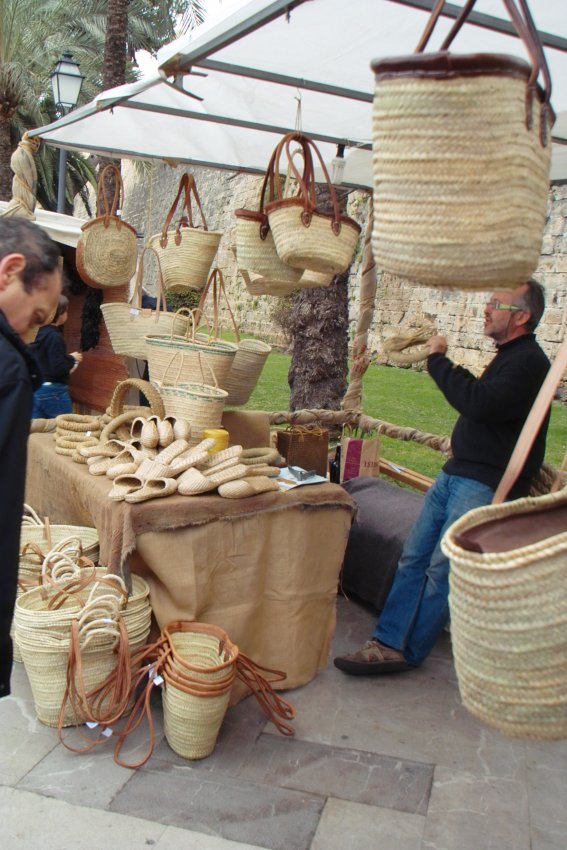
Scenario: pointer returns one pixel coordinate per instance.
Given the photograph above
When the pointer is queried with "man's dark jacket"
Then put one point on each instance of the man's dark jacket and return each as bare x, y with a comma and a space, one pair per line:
18, 379
493, 410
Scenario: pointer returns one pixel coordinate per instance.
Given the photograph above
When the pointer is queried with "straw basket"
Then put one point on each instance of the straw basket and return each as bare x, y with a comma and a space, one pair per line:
305, 237
200, 404
246, 369
129, 323
258, 285
46, 536
199, 673
509, 614
44, 635
107, 248
256, 250
461, 156
186, 253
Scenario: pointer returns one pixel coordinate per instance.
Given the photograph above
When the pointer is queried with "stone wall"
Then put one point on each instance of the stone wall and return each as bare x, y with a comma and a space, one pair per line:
458, 316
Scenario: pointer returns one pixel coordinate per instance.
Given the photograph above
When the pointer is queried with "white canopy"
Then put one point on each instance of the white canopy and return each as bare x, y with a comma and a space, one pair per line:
227, 91
63, 228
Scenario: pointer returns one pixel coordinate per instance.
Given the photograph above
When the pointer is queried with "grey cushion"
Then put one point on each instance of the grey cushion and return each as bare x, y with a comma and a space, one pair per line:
385, 515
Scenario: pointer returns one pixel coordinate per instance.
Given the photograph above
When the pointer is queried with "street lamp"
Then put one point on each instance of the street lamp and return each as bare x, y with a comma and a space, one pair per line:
66, 82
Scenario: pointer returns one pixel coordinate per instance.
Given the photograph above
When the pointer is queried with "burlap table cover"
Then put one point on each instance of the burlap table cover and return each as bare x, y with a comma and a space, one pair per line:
265, 569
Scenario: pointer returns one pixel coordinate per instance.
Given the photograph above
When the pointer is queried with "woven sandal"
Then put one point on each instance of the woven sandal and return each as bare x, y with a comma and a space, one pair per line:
123, 485
149, 435
176, 448
192, 482
165, 432
245, 487
155, 488
218, 467
122, 469
264, 454
100, 465
181, 428
187, 460
152, 468
224, 454
136, 427
109, 449
263, 469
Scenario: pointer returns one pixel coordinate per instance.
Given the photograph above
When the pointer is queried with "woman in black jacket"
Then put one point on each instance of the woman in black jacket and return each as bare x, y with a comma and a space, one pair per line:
49, 350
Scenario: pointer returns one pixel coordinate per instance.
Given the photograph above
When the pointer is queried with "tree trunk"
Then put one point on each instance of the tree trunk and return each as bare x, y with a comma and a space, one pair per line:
5, 156
318, 325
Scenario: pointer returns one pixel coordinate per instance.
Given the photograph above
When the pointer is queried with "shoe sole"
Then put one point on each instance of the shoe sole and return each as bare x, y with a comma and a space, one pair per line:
370, 668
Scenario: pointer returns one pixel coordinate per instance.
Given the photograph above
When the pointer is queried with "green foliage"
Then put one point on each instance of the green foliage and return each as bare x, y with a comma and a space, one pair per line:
403, 397
189, 299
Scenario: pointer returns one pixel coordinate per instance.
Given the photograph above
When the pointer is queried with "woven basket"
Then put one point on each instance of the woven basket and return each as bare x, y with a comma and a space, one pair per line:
43, 636
246, 369
151, 394
509, 615
107, 248
186, 253
46, 535
199, 404
305, 237
129, 324
461, 156
258, 285
198, 677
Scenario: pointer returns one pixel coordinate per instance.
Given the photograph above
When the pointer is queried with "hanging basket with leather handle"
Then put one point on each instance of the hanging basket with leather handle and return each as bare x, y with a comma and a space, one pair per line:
187, 252
305, 237
107, 248
461, 156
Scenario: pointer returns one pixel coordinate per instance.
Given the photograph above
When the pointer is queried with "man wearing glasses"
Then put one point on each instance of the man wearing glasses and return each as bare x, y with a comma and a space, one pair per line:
493, 409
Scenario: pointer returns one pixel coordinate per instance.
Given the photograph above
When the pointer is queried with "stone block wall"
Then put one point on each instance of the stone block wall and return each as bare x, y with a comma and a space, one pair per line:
458, 315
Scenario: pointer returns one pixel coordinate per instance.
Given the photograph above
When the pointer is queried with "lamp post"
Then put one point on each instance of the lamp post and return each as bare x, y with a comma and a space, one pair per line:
66, 82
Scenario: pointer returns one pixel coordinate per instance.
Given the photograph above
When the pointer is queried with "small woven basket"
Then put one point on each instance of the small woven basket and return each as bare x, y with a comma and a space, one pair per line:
200, 404
509, 617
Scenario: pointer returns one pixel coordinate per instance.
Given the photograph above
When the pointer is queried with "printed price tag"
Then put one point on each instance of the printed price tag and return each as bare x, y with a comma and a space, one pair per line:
134, 311
91, 724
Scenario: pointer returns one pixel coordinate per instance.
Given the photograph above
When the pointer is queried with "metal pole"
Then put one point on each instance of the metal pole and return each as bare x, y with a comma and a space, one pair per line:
61, 182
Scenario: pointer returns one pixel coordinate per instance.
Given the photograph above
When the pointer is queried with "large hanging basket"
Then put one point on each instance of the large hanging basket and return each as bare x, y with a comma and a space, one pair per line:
305, 237
107, 247
508, 603
187, 252
461, 156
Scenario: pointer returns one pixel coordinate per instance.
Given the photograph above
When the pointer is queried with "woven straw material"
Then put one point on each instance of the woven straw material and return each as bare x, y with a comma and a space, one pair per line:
106, 253
258, 285
128, 327
246, 487
187, 265
509, 626
46, 537
77, 422
314, 280
460, 184
179, 360
148, 390
43, 636
199, 404
314, 246
245, 370
260, 255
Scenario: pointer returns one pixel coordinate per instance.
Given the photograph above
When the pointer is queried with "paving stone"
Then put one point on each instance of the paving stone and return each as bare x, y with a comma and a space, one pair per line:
339, 772
351, 826
274, 818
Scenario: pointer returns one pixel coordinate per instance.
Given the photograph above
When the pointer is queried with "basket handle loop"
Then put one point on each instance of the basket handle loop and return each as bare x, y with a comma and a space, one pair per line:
136, 299
307, 186
108, 209
187, 189
218, 287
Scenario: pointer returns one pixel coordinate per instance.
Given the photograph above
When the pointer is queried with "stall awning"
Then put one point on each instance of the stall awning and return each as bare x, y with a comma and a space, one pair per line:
227, 91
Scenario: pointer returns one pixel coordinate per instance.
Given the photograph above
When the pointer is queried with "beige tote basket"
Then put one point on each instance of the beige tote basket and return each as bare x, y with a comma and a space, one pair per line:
461, 157
246, 369
186, 253
128, 324
305, 237
107, 247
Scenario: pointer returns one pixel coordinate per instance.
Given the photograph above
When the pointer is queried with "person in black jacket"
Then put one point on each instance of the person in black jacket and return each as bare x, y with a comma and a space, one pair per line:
55, 365
493, 409
30, 284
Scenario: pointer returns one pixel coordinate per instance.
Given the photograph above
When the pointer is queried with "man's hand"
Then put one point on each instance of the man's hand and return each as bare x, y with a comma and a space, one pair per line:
437, 345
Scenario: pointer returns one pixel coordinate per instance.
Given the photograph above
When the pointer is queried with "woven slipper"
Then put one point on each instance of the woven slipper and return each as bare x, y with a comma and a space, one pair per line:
181, 428
136, 427
192, 482
122, 469
176, 448
155, 488
109, 449
123, 485
165, 432
185, 461
263, 469
152, 468
264, 454
100, 465
224, 454
150, 436
218, 467
245, 487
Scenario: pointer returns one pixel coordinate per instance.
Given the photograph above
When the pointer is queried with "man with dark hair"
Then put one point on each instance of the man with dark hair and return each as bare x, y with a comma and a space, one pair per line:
493, 409
30, 284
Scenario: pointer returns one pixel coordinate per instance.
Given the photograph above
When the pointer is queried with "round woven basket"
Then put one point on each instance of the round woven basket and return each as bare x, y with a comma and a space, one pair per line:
43, 637
246, 369
260, 255
509, 625
199, 404
460, 183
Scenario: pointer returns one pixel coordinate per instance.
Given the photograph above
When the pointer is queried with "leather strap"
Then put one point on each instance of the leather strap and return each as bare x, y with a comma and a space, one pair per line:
532, 425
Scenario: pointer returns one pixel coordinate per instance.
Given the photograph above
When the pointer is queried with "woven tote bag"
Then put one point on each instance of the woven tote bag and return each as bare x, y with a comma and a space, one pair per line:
508, 598
107, 248
187, 252
128, 324
305, 237
461, 156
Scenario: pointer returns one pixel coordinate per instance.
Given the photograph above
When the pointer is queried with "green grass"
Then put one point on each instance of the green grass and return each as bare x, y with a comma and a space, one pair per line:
403, 397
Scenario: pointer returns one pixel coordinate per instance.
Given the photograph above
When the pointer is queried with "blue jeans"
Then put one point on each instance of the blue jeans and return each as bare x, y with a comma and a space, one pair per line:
417, 608
50, 400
